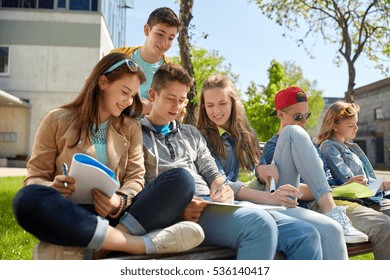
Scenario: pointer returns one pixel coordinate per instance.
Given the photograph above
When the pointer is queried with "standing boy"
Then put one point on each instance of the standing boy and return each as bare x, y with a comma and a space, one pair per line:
168, 145
160, 31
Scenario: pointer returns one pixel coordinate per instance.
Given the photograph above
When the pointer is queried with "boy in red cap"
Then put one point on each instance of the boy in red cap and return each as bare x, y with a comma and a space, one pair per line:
292, 109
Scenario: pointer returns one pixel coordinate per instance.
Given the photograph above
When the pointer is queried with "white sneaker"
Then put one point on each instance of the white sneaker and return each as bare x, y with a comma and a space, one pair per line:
179, 237
351, 234
48, 251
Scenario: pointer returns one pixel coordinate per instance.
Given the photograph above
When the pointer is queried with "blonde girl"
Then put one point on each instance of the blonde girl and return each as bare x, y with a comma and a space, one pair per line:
347, 161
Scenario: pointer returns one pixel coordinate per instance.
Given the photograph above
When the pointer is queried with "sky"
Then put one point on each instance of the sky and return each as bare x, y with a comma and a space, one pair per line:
249, 42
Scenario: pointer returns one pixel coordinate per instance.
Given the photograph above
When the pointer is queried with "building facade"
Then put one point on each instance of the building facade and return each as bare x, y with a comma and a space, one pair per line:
47, 48
374, 121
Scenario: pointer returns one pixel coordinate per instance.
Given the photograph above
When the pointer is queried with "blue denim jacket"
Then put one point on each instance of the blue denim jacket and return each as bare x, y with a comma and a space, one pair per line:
341, 159
229, 164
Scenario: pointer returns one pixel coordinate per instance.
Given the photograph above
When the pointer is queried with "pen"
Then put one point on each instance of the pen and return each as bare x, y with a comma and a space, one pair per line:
224, 182
65, 172
272, 186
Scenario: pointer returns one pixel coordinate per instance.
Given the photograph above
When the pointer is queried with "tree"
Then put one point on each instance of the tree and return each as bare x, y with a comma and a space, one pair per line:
356, 26
206, 63
185, 55
198, 62
260, 103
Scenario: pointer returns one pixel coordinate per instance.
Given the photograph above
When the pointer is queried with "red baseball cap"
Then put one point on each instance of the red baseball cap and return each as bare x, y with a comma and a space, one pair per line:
288, 97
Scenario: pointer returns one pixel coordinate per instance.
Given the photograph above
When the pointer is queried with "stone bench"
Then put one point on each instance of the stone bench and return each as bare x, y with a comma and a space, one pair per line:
218, 253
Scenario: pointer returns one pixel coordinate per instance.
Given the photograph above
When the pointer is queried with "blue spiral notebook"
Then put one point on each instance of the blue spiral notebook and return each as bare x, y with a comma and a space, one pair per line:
89, 173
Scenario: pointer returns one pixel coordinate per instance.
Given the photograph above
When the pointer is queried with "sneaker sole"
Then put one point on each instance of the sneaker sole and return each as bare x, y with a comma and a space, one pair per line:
355, 239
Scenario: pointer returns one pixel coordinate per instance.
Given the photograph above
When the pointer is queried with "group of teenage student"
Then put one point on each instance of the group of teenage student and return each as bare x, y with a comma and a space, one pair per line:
126, 116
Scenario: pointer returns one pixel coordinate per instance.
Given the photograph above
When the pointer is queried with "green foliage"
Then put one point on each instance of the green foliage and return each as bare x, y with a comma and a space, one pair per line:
206, 63
260, 103
354, 27
15, 243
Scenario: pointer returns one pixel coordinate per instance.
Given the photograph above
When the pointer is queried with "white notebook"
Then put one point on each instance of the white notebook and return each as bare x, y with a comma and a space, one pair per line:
237, 204
89, 173
374, 186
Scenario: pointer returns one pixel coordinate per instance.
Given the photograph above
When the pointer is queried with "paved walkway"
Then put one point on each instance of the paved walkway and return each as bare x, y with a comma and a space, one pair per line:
386, 174
13, 171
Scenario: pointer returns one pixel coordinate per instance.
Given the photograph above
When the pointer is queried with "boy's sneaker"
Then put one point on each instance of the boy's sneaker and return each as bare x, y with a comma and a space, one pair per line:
351, 234
179, 237
48, 251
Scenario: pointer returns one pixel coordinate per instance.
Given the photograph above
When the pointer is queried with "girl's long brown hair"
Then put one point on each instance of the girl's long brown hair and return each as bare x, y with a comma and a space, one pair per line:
247, 145
336, 113
86, 104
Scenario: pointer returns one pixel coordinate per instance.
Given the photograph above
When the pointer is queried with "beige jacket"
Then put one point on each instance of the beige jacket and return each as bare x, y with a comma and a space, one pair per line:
57, 132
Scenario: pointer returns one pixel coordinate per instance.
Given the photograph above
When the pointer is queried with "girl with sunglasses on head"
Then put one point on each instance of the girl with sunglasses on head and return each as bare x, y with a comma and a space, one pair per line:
344, 158
101, 122
347, 160
235, 147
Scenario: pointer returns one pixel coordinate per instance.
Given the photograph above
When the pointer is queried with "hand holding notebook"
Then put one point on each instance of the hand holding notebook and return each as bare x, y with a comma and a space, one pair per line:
89, 173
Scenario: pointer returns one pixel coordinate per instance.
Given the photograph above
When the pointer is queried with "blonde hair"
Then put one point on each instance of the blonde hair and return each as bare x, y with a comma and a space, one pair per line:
336, 113
247, 147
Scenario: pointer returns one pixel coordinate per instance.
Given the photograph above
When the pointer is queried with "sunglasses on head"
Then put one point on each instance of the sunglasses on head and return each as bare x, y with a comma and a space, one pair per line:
299, 117
346, 112
130, 64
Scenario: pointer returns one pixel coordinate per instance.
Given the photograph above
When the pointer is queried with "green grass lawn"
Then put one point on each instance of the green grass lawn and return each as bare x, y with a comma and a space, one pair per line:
15, 243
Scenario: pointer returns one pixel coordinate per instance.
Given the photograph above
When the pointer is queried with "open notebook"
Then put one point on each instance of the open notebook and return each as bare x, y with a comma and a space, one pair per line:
89, 173
237, 204
356, 190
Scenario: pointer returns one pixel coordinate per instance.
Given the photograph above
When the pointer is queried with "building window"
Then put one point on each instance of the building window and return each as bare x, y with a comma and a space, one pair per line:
379, 113
18, 4
83, 5
61, 4
8, 136
46, 4
80, 5
380, 149
4, 60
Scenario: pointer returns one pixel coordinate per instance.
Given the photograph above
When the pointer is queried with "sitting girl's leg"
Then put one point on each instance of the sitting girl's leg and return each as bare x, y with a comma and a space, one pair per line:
298, 240
46, 214
252, 232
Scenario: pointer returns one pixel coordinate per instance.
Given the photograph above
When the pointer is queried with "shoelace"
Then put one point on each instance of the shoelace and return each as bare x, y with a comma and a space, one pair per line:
342, 218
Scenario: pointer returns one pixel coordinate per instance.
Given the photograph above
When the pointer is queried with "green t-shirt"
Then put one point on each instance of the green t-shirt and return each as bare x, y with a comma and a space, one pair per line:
149, 69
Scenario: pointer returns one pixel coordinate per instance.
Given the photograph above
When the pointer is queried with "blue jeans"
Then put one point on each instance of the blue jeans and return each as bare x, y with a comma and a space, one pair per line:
296, 156
49, 216
258, 234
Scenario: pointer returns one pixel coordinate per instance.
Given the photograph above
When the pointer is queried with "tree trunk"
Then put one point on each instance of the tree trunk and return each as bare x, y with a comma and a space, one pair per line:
351, 82
185, 56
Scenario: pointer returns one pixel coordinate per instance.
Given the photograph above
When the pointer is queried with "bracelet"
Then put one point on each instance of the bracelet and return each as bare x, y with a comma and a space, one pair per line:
121, 207
257, 175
